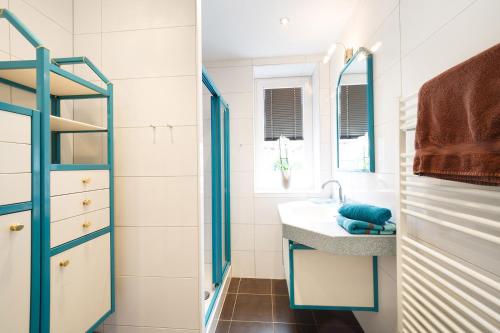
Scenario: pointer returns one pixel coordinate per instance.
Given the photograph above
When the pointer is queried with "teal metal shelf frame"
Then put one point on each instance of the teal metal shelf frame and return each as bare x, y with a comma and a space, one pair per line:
34, 207
46, 158
221, 188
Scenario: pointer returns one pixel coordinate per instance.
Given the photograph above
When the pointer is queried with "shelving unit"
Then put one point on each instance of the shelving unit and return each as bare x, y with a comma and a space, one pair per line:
72, 208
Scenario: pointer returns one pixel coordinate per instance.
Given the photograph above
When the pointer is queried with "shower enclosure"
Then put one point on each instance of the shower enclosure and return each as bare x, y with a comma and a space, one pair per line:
217, 191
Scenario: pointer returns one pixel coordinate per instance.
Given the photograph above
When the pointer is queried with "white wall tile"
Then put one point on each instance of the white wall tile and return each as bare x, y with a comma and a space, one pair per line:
242, 210
156, 201
149, 53
156, 302
138, 104
157, 251
4, 34
52, 35
266, 209
435, 14
241, 183
240, 104
121, 15
233, 79
242, 237
242, 157
268, 238
59, 11
87, 15
241, 131
388, 53
385, 150
243, 263
269, 265
159, 151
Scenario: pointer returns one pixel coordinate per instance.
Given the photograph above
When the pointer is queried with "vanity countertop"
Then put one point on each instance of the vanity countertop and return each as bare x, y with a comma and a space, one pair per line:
315, 225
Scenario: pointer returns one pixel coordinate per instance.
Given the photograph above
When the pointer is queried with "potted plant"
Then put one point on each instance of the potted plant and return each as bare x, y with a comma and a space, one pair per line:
283, 163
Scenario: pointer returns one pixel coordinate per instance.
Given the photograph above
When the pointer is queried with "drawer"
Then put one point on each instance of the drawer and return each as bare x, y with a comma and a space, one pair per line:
80, 291
15, 261
15, 188
66, 230
69, 205
15, 158
15, 128
65, 182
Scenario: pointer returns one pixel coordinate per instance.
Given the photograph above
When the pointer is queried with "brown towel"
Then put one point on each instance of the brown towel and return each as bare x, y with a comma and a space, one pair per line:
458, 126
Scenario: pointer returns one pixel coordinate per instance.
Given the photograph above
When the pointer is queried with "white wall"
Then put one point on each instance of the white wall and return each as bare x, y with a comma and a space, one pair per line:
148, 49
419, 40
256, 244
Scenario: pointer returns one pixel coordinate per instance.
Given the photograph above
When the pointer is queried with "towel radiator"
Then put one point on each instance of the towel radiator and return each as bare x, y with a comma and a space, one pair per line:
448, 247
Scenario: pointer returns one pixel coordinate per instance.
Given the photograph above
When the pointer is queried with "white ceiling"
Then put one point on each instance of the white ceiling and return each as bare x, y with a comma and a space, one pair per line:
235, 29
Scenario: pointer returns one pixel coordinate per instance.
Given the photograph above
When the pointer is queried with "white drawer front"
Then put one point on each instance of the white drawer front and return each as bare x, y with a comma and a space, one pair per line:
15, 158
69, 205
80, 293
15, 127
65, 182
15, 188
15, 261
66, 230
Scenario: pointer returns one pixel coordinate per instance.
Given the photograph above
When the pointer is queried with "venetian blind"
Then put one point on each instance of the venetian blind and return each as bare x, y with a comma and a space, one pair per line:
353, 111
283, 113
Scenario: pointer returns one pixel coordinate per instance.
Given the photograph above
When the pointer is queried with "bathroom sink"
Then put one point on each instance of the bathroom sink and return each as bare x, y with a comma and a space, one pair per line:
309, 211
314, 223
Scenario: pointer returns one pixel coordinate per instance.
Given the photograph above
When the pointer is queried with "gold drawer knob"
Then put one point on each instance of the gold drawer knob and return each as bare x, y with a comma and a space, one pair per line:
86, 181
87, 224
64, 263
16, 227
86, 202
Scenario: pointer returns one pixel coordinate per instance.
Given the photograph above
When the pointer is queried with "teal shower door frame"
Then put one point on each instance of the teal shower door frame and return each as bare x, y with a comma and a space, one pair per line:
221, 213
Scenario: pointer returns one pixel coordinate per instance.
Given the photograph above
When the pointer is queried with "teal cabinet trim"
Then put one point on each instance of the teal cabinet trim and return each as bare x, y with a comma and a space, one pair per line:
15, 208
100, 321
292, 246
58, 70
78, 241
227, 185
81, 60
17, 85
68, 167
218, 288
18, 64
56, 136
216, 192
111, 168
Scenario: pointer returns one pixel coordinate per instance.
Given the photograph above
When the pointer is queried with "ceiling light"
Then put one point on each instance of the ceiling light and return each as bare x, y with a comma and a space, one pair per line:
326, 59
284, 21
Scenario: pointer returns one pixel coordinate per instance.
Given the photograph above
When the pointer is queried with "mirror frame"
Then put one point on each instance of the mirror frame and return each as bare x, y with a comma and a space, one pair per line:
369, 99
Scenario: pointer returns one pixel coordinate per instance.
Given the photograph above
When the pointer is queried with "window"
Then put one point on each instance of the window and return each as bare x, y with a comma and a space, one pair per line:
284, 109
353, 116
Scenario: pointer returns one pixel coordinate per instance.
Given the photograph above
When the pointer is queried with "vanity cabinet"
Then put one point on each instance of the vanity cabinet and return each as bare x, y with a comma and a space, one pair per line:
321, 280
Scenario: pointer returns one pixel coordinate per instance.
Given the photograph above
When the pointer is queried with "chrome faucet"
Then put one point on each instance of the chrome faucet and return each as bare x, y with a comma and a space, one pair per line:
341, 196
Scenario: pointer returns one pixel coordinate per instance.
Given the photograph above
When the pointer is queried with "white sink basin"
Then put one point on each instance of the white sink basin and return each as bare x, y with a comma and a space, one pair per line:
308, 212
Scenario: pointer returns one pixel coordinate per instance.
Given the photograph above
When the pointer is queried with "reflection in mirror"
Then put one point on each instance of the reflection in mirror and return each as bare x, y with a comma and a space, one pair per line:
355, 140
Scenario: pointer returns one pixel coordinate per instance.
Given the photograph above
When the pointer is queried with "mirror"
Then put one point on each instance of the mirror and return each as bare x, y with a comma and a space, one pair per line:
355, 134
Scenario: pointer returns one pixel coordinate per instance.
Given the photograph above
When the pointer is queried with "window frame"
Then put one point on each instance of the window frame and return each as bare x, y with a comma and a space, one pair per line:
310, 118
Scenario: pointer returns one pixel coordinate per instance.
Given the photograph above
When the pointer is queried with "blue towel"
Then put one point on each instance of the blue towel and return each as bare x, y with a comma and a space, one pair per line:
366, 213
365, 228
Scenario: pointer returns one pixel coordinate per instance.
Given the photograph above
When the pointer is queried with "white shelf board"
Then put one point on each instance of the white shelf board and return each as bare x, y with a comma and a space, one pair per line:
59, 85
58, 124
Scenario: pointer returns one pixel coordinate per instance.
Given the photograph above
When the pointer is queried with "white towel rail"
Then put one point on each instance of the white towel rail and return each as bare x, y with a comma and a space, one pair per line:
440, 290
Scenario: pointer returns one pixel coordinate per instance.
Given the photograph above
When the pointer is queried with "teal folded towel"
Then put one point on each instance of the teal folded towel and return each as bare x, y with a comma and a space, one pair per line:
365, 228
367, 213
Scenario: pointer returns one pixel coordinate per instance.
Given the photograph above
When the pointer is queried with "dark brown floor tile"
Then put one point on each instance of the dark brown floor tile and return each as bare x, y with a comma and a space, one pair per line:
253, 308
279, 287
294, 328
284, 314
233, 286
249, 327
328, 318
227, 308
255, 286
340, 329
222, 327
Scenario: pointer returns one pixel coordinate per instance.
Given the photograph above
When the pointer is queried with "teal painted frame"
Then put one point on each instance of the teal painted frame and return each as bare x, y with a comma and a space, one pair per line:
292, 246
34, 207
370, 103
219, 129
42, 165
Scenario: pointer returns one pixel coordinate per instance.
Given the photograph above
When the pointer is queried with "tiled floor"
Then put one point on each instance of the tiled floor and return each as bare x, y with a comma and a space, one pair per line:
262, 306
